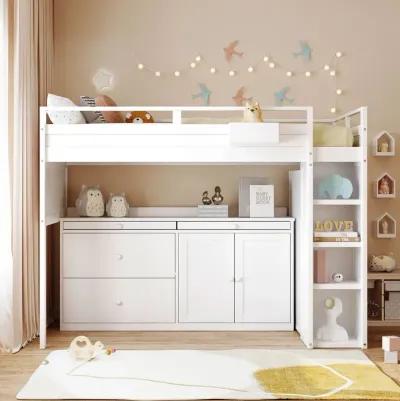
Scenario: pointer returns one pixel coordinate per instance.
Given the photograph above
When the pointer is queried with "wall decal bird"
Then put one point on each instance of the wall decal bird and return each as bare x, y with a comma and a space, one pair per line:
239, 98
304, 52
231, 51
204, 94
281, 96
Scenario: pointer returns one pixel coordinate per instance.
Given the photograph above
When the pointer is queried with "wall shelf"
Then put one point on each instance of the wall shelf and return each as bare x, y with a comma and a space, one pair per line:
385, 186
386, 226
384, 144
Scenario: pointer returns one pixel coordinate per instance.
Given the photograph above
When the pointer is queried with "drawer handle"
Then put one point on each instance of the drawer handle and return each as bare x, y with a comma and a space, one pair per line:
120, 226
120, 256
119, 303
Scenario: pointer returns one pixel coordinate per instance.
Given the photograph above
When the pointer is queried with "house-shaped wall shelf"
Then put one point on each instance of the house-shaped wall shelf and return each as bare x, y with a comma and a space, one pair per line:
384, 144
386, 226
385, 186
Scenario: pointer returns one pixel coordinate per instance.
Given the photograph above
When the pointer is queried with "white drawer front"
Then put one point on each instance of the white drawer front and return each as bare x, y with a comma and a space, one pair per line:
234, 225
118, 301
118, 225
118, 255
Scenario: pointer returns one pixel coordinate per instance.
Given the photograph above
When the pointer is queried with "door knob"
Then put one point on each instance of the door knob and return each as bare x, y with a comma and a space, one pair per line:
120, 256
119, 303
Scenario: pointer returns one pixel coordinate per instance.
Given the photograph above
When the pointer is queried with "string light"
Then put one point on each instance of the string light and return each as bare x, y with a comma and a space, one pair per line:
140, 66
157, 74
339, 54
333, 110
332, 73
266, 58
193, 65
307, 74
339, 91
213, 70
232, 73
250, 69
198, 58
289, 74
326, 67
271, 64
177, 74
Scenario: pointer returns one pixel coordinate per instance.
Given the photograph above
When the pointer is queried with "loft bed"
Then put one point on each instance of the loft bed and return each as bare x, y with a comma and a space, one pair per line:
187, 137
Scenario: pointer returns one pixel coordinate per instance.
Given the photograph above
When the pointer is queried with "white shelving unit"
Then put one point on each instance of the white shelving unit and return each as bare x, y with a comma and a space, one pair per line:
349, 258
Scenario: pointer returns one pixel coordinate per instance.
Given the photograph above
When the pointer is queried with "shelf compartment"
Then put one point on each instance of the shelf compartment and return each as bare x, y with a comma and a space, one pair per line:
344, 285
337, 154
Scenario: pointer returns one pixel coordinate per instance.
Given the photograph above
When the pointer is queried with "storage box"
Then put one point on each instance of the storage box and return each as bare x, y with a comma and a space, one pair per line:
392, 300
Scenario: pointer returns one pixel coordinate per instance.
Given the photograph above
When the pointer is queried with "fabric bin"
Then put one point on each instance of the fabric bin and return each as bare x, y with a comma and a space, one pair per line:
392, 300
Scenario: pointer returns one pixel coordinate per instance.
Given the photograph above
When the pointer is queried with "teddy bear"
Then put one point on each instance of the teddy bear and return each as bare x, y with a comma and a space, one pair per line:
139, 117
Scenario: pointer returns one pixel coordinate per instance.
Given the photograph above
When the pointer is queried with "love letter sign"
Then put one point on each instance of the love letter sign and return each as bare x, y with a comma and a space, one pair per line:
334, 225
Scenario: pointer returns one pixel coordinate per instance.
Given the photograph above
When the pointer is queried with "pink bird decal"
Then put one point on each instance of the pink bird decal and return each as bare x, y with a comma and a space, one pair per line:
231, 51
239, 99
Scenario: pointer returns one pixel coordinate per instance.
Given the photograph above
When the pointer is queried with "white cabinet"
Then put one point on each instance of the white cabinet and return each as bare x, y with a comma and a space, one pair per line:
263, 278
206, 276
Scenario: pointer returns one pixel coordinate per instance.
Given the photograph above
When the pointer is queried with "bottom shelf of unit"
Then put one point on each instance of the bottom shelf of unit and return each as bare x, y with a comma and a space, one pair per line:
351, 343
386, 323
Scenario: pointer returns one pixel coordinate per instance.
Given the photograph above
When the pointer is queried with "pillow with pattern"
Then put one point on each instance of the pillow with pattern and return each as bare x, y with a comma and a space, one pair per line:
63, 117
92, 117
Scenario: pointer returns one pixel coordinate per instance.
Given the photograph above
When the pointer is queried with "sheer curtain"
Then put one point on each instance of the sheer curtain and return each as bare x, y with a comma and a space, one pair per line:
28, 41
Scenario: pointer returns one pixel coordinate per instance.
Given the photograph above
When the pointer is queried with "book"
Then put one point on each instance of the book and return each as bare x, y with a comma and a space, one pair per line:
336, 239
345, 234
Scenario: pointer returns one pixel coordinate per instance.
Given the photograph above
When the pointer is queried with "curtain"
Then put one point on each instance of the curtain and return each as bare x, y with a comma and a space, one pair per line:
29, 41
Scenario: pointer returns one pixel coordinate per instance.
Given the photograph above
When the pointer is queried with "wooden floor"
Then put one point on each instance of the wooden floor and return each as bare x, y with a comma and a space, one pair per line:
16, 369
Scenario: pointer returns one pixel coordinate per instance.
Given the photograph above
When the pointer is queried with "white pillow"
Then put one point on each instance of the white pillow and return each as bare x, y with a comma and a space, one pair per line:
63, 117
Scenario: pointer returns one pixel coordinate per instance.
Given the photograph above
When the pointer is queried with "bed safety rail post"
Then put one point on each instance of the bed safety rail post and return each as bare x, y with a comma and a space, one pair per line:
177, 116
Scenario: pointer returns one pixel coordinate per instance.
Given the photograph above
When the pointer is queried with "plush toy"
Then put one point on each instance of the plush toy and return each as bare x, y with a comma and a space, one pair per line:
382, 263
384, 187
139, 117
252, 112
335, 186
117, 206
333, 135
109, 116
82, 349
90, 202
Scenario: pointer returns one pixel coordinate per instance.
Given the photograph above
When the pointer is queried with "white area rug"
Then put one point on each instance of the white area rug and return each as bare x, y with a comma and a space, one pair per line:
186, 374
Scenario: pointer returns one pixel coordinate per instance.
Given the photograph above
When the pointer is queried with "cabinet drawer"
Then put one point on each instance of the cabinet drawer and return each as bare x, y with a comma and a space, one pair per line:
234, 225
118, 225
118, 301
96, 255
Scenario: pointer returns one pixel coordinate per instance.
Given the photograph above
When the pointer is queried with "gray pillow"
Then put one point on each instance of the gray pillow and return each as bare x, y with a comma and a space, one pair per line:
91, 117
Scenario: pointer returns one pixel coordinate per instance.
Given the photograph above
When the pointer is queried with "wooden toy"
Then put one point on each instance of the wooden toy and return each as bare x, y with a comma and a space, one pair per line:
391, 348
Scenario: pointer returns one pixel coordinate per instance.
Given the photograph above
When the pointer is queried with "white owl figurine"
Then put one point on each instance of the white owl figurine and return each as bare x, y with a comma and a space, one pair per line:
90, 202
117, 206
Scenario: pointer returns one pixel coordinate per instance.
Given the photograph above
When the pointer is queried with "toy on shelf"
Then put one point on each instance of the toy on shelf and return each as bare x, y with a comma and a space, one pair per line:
335, 186
252, 112
386, 226
331, 330
337, 277
139, 117
391, 348
217, 198
205, 199
90, 202
117, 205
382, 263
385, 186
384, 144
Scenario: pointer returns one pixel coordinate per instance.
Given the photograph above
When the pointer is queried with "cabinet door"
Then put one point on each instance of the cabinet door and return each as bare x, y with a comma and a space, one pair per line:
206, 278
263, 278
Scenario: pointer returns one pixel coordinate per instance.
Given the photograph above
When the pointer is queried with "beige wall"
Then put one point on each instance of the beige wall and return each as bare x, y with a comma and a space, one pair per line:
116, 35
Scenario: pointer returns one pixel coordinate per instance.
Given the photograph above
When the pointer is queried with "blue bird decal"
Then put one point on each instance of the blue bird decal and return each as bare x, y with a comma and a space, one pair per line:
305, 51
281, 96
203, 94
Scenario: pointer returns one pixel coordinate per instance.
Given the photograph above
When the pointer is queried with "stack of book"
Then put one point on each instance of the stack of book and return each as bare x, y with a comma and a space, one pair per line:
336, 236
215, 211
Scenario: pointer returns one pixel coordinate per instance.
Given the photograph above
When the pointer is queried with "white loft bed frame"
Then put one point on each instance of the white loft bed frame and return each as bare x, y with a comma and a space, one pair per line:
186, 143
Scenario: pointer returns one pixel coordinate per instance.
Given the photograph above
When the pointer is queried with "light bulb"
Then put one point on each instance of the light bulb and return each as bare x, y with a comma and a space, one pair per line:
339, 54
339, 91
177, 73
157, 74
326, 67
232, 73
333, 110
332, 73
213, 70
198, 58
140, 66
266, 58
307, 74
271, 64
193, 65
289, 74
250, 69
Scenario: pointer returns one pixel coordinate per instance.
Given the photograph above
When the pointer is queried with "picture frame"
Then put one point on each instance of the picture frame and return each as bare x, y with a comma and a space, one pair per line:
261, 201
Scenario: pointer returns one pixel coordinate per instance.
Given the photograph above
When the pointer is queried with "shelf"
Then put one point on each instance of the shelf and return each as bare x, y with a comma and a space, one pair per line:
386, 323
337, 154
395, 275
351, 343
337, 202
345, 285
337, 244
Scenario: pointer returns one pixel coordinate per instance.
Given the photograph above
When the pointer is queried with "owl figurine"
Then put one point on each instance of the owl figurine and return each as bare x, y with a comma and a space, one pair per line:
117, 206
90, 202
